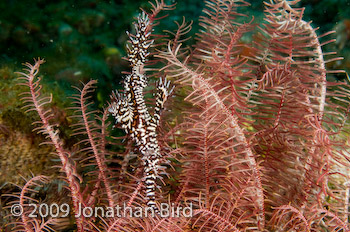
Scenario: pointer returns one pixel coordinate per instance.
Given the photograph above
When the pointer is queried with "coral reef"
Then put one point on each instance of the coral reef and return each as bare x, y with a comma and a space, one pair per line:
20, 156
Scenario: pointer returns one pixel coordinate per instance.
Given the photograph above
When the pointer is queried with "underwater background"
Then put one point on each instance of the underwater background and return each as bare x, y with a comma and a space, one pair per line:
83, 40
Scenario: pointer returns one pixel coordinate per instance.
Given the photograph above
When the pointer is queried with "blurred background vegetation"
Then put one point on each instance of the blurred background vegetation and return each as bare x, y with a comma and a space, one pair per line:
86, 39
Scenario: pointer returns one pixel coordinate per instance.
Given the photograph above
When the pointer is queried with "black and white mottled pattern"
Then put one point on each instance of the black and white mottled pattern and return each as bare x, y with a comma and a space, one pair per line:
130, 110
